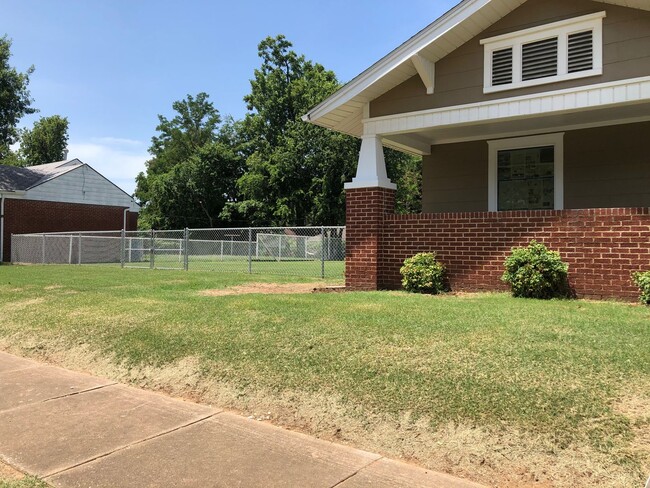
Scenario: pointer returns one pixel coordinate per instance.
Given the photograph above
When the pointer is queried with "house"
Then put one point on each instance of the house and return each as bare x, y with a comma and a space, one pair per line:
59, 197
532, 118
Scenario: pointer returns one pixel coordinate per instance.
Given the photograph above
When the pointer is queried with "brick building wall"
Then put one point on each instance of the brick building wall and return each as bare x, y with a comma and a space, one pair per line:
602, 246
32, 216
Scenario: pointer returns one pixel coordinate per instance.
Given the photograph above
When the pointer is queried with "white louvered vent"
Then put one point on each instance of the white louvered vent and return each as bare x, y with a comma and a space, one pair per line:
581, 51
550, 53
502, 67
539, 59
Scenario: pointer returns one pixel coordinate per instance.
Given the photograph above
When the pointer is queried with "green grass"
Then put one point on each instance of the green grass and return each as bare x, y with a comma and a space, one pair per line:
27, 482
551, 369
232, 264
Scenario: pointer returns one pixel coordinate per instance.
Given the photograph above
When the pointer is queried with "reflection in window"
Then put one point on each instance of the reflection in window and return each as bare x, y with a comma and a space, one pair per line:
526, 178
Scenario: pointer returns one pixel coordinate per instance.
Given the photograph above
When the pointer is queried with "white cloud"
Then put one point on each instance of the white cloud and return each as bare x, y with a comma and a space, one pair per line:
119, 160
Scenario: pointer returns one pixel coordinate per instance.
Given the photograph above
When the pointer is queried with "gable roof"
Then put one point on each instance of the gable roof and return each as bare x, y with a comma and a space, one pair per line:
13, 178
344, 110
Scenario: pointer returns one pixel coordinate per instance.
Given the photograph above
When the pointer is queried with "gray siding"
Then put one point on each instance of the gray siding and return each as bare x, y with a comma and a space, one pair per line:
459, 76
606, 167
81, 185
455, 178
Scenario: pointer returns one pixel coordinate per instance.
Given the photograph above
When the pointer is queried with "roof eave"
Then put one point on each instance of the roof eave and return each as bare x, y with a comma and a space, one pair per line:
397, 57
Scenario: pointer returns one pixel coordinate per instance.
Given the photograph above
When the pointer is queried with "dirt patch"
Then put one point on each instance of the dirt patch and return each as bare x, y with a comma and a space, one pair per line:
7, 473
264, 289
501, 458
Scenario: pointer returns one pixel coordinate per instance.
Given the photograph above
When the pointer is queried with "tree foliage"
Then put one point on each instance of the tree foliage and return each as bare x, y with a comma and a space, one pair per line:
46, 142
295, 172
271, 168
193, 169
15, 99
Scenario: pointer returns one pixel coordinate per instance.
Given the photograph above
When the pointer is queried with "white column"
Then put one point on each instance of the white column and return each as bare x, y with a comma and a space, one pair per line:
371, 171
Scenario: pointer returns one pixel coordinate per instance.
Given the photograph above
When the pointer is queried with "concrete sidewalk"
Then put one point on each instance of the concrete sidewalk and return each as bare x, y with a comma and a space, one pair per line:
75, 430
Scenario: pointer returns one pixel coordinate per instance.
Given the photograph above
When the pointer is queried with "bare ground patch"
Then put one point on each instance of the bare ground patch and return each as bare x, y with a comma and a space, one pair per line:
264, 289
504, 458
7, 473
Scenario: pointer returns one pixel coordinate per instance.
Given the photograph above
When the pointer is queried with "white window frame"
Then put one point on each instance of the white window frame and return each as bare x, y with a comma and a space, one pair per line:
561, 30
556, 140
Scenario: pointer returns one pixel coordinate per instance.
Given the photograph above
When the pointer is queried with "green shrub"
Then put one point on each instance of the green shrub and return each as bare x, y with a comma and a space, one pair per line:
423, 274
642, 280
536, 272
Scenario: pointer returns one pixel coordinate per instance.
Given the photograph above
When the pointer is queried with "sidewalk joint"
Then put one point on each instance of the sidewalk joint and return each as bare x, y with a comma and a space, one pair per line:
357, 472
136, 443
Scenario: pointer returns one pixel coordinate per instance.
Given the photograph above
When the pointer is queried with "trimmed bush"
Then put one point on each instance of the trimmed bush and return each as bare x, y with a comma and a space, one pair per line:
536, 272
423, 274
642, 280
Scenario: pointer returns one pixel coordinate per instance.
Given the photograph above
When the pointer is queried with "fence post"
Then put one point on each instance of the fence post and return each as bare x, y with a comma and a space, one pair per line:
322, 252
122, 248
70, 250
152, 249
186, 258
43, 256
250, 250
79, 251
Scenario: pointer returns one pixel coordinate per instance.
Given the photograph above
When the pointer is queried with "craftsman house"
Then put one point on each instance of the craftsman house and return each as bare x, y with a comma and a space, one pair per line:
531, 117
60, 197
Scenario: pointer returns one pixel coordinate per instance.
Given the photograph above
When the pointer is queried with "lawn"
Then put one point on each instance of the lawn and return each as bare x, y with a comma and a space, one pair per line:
503, 391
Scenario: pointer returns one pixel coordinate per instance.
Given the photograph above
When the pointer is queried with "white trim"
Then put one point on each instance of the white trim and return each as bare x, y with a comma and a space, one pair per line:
371, 169
561, 30
399, 56
556, 140
587, 97
427, 71
530, 132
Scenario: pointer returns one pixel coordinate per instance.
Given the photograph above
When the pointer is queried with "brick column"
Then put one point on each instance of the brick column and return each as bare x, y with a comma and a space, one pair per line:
366, 209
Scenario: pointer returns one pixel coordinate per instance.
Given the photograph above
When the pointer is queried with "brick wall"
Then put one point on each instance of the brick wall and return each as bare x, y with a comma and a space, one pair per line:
30, 216
602, 246
366, 209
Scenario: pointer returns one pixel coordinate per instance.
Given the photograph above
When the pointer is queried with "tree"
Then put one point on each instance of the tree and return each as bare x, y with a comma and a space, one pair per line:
46, 142
15, 99
294, 171
193, 170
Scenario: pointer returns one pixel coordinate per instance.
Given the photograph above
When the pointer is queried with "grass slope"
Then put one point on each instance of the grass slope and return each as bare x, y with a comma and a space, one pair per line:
484, 386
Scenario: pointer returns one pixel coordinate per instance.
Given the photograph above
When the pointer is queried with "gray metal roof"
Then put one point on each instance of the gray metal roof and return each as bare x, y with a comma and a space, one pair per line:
13, 178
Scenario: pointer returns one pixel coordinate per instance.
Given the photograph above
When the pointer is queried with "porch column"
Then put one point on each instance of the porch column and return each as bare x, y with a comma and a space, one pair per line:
369, 197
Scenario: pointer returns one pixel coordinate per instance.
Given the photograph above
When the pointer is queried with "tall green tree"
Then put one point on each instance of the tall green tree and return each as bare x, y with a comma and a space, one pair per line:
193, 169
46, 142
294, 171
15, 99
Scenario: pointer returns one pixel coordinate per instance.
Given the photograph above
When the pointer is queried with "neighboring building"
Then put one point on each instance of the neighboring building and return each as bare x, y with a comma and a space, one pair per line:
532, 118
60, 197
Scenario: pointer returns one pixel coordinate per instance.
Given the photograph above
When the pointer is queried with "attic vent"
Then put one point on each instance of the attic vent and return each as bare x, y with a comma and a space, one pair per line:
502, 67
581, 51
548, 53
539, 59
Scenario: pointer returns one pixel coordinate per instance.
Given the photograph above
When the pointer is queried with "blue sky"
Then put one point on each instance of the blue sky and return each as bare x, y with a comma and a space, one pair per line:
111, 66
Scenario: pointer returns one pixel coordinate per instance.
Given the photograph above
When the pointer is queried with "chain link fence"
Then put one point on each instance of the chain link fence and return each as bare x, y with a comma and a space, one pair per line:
298, 251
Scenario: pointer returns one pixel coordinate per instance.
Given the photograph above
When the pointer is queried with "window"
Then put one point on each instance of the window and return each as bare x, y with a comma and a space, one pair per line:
560, 51
526, 173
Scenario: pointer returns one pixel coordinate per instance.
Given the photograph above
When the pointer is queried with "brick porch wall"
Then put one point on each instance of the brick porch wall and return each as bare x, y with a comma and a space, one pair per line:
602, 246
32, 216
366, 209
